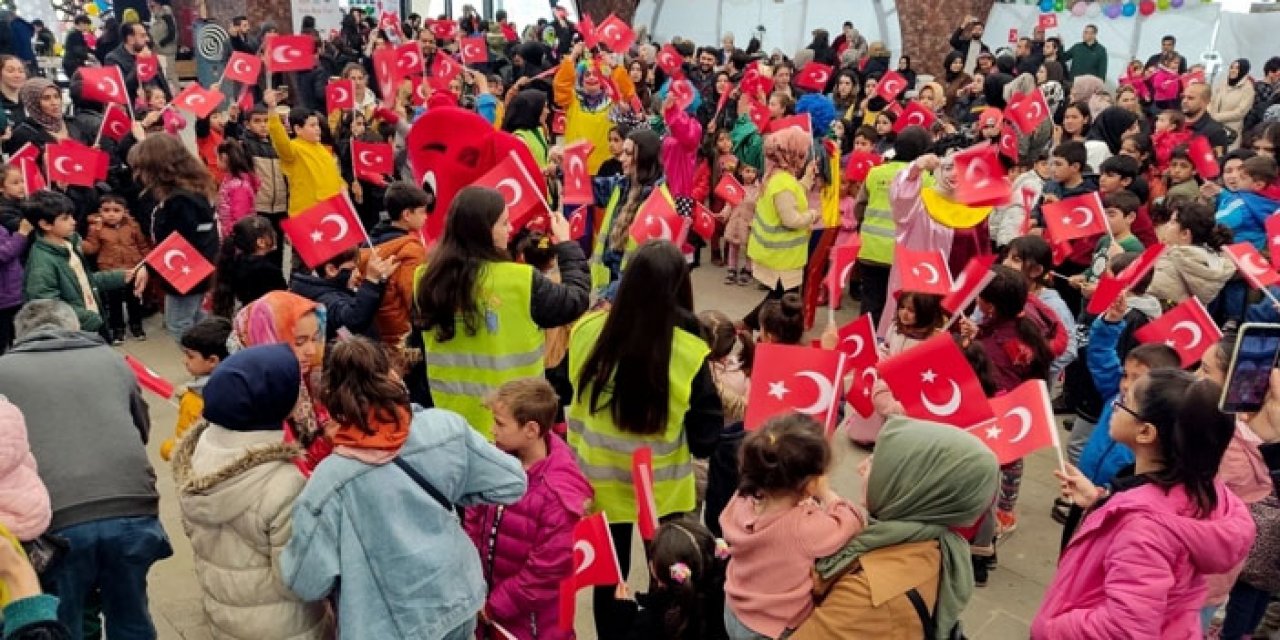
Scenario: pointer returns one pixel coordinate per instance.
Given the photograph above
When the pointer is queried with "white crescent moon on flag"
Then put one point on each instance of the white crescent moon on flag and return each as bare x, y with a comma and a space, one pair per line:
826, 393
577, 168
517, 191
339, 222
364, 159
934, 276
109, 86
1191, 328
57, 164
1088, 217
588, 555
976, 172
170, 255
947, 408
916, 118
858, 342
240, 66
609, 28
1024, 422
662, 224
892, 86
340, 94
1252, 266
285, 55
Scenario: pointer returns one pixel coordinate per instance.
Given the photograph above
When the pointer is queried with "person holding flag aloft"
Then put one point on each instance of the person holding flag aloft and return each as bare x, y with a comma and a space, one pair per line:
312, 170
587, 88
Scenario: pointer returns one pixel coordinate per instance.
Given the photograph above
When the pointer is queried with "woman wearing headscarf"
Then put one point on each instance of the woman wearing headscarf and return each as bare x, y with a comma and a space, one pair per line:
823, 52
1083, 88
526, 118
1106, 134
580, 91
44, 124
1233, 97
955, 82
907, 73
926, 480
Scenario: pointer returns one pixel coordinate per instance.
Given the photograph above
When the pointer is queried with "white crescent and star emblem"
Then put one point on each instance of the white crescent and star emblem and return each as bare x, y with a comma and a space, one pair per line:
662, 225
858, 343
366, 160
934, 276
340, 94
577, 169
240, 66
118, 128
194, 100
1086, 222
826, 393
338, 221
109, 86
947, 408
1252, 265
472, 50
977, 173
1024, 421
58, 164
892, 86
588, 555
285, 55
1190, 327
1034, 111
512, 186
609, 31
915, 118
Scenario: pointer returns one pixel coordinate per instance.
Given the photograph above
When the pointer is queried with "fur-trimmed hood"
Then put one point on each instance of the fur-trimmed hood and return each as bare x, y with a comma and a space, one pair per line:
214, 498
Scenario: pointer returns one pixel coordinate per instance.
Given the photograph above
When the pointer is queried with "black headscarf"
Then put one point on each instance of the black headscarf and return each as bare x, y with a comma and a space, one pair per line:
1244, 72
1110, 126
993, 89
946, 66
525, 111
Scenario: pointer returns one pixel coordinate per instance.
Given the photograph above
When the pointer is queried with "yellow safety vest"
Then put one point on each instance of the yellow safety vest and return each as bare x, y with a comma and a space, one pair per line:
463, 371
774, 245
878, 227
600, 274
604, 451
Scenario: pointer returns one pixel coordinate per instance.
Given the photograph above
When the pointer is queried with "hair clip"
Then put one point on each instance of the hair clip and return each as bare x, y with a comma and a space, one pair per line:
680, 572
722, 549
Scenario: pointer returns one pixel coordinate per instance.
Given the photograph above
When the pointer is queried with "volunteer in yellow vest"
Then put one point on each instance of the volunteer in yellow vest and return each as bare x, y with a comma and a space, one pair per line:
779, 242
580, 92
640, 379
621, 197
526, 119
481, 315
875, 216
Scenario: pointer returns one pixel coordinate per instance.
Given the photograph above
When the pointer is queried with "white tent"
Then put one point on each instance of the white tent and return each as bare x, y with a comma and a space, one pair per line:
786, 23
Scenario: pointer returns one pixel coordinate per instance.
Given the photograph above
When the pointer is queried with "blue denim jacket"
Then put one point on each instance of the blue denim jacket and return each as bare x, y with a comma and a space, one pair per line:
406, 567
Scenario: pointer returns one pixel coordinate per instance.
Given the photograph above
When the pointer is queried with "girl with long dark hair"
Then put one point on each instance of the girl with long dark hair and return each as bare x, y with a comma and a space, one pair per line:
245, 271
621, 197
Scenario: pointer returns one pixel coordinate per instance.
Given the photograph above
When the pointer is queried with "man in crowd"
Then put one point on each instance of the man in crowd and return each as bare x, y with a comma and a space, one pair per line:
1087, 58
133, 43
88, 427
240, 39
76, 50
165, 28
1168, 44
1264, 91
968, 41
1195, 104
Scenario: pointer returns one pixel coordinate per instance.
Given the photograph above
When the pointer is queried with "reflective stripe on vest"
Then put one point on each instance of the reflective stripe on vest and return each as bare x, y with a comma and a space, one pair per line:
877, 222
463, 371
600, 275
773, 244
603, 451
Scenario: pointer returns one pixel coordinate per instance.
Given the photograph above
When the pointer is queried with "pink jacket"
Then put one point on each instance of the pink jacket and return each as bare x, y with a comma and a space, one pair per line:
235, 201
1245, 474
24, 502
914, 229
1140, 561
680, 151
532, 549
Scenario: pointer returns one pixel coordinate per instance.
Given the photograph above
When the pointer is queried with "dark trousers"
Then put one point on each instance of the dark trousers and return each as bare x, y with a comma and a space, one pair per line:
119, 300
604, 605
6, 327
1245, 608
875, 289
752, 319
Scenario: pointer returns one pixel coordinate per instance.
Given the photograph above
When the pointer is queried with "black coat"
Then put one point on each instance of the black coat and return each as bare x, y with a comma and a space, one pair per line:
353, 310
189, 215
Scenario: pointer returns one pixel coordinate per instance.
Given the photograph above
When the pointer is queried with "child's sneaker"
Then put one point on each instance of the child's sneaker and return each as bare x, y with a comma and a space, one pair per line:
731, 277
117, 337
1006, 523
137, 331
744, 278
979, 570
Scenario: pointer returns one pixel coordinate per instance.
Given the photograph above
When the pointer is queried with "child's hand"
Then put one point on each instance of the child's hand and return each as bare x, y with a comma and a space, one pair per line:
1114, 249
25, 228
140, 278
1076, 488
1087, 289
830, 336
16, 572
379, 268
968, 329
270, 97
1076, 281
622, 592
1210, 190
1049, 197
1115, 312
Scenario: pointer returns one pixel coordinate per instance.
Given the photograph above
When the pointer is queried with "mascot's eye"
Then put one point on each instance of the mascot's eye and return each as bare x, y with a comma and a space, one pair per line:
435, 146
469, 156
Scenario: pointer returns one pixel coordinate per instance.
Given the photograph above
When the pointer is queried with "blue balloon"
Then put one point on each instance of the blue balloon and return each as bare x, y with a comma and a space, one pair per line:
1046, 6
1130, 9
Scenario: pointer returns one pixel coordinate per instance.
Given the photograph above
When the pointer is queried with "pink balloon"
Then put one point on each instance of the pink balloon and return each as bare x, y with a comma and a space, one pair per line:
1079, 8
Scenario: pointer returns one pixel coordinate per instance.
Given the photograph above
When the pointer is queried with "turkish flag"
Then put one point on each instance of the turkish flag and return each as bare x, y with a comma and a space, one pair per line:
813, 76
595, 562
914, 115
980, 178
198, 100
577, 178
972, 280
1008, 141
115, 123
1191, 77
704, 224
389, 22
103, 84
755, 83
325, 230
73, 163
444, 30
474, 50
922, 271
934, 381
1048, 21
149, 379
842, 259
246, 101
290, 53
1111, 287
179, 263
801, 121
372, 158
642, 481
146, 68
1027, 111
27, 151
1187, 328
894, 108
445, 67
1079, 216
558, 120
1013, 36
670, 60
656, 219
730, 190
409, 60
859, 164
1023, 423
587, 29
891, 85
759, 115
863, 386
578, 223
512, 179
243, 68
858, 344
1273, 233
339, 95
682, 91
1203, 157
615, 34
386, 69
32, 179
789, 378
1252, 265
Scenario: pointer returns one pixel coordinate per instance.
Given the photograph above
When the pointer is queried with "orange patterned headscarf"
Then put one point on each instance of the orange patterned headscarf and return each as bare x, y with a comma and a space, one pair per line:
271, 320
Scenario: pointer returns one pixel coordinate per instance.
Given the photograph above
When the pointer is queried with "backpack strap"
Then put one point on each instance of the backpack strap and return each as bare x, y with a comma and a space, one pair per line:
927, 622
426, 485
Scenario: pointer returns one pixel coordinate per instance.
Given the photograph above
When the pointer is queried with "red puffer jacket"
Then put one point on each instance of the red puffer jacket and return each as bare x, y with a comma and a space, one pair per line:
526, 548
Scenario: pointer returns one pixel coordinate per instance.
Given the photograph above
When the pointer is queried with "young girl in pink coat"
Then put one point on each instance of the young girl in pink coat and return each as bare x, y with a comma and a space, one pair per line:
24, 502
239, 188
1137, 566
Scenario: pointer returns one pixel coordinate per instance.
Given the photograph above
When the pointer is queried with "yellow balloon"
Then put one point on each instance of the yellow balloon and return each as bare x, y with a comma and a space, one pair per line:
130, 16
92, 9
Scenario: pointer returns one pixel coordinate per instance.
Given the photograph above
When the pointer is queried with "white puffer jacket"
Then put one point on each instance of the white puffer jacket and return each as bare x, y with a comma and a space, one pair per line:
236, 491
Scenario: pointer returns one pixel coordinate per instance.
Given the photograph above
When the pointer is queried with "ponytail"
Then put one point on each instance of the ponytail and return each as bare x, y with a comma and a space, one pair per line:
242, 241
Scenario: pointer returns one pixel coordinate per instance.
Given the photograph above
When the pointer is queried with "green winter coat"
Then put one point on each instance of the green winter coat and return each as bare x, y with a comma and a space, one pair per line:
49, 277
1086, 60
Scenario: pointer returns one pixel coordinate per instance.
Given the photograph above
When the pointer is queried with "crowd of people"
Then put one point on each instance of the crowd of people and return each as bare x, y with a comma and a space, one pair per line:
405, 439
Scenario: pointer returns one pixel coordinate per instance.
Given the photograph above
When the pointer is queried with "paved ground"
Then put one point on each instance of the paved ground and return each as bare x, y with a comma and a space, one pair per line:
1002, 610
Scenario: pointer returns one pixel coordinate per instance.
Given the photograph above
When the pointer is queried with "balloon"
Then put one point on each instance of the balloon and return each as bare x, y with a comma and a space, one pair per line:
1046, 6
91, 9
1058, 5
1078, 8
1146, 7
1112, 11
1162, 5
1093, 9
1176, 4
1129, 9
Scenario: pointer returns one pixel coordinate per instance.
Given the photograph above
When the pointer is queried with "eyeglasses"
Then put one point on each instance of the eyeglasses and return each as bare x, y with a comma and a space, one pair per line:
1121, 406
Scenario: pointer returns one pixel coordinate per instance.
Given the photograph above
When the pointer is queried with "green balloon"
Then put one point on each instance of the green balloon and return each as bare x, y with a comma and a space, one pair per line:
1058, 5
1162, 5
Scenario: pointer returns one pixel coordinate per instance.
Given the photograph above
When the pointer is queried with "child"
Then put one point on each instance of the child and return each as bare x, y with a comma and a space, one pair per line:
527, 546
350, 297
1181, 175
1122, 210
272, 197
783, 517
119, 243
782, 320
239, 187
1032, 256
155, 114
204, 347
13, 190
885, 134
397, 240
1170, 521
1067, 164
1245, 210
1169, 133
367, 190
1193, 263
730, 359
1010, 220
13, 243
737, 225
310, 167
244, 271
55, 268
1123, 173
686, 593
209, 135
613, 166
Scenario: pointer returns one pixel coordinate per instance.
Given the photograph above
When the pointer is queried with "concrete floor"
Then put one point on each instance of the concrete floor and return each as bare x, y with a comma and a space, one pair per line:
1001, 610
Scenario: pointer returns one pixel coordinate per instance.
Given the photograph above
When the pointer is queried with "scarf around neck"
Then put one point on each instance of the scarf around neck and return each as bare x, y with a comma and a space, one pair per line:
30, 95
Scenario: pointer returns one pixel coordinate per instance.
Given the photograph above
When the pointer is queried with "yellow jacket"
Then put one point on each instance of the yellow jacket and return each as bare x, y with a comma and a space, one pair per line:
312, 170
190, 406
580, 124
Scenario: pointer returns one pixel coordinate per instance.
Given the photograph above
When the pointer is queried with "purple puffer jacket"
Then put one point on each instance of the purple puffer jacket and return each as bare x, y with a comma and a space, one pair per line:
532, 550
11, 246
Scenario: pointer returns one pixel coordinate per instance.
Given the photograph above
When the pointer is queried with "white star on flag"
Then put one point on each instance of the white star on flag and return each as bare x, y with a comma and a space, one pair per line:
316, 236
778, 389
186, 271
928, 375
993, 432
